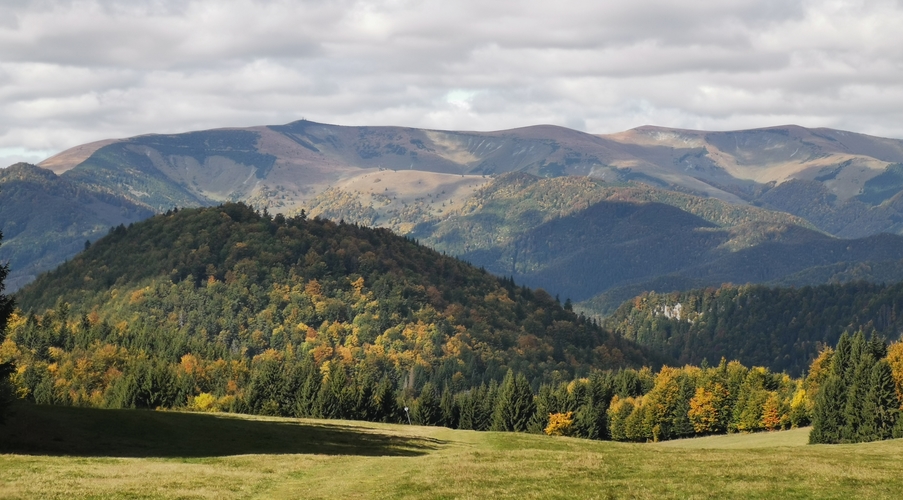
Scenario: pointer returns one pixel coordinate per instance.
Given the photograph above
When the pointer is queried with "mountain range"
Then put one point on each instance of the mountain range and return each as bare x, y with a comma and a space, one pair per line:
595, 218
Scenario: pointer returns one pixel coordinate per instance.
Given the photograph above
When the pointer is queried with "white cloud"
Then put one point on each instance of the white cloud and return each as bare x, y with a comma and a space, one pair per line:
73, 71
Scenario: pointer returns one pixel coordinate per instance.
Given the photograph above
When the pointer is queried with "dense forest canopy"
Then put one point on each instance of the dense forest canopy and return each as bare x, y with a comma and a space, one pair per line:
228, 282
781, 328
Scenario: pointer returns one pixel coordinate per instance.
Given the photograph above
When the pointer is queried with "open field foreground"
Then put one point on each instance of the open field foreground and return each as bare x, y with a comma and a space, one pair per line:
63, 452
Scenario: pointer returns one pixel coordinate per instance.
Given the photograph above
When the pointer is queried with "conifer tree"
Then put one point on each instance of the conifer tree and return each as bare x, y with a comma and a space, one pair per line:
265, 390
306, 404
860, 370
827, 416
365, 407
592, 419
465, 403
484, 405
427, 410
544, 407
450, 410
333, 398
881, 407
515, 406
387, 407
858, 400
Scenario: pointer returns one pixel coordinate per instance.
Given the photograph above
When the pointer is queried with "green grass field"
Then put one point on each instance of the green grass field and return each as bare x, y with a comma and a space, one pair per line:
61, 452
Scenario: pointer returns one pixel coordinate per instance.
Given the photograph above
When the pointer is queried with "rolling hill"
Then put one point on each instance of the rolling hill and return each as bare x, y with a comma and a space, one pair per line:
228, 281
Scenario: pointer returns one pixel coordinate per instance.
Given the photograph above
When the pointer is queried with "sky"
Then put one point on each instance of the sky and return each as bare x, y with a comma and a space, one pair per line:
76, 71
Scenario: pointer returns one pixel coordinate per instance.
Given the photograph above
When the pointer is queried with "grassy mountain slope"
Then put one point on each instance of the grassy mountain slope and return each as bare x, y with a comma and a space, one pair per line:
227, 281
838, 180
781, 328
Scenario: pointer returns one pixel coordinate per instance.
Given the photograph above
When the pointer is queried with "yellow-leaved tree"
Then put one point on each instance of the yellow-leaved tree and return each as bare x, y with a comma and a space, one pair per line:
895, 360
560, 424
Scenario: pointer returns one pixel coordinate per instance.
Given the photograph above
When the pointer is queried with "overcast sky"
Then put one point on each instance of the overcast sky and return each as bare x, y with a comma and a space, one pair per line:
77, 71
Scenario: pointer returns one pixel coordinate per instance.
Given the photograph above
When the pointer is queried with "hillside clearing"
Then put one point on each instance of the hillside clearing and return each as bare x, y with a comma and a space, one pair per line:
61, 452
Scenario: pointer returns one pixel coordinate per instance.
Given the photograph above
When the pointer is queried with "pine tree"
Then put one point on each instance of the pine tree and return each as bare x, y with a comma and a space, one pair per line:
881, 407
484, 405
860, 372
265, 391
333, 400
386, 404
545, 406
465, 403
828, 420
515, 406
841, 361
365, 407
450, 411
591, 420
306, 397
427, 410
827, 417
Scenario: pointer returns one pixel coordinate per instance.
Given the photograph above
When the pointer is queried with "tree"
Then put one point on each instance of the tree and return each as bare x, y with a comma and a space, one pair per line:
6, 310
387, 407
427, 409
895, 359
707, 410
515, 406
881, 408
828, 415
618, 413
451, 414
771, 412
860, 370
559, 424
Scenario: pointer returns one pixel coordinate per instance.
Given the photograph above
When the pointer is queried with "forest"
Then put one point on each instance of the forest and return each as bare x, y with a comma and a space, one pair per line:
780, 328
229, 309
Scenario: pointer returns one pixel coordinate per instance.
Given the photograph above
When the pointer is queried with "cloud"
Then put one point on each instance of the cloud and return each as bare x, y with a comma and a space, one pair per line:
74, 71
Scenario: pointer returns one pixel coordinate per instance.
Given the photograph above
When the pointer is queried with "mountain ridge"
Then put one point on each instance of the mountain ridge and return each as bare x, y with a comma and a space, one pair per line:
402, 177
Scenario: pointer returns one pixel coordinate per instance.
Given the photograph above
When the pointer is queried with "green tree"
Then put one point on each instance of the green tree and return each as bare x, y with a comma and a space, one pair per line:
515, 406
857, 391
828, 415
451, 413
881, 407
427, 409
386, 404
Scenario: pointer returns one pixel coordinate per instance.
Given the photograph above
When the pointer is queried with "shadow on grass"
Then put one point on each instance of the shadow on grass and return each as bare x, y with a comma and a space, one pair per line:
67, 431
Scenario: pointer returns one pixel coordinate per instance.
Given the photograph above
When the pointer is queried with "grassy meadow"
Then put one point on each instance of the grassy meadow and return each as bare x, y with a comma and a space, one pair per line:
66, 452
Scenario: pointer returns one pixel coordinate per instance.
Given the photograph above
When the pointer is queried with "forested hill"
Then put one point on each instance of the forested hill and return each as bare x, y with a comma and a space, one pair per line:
781, 328
231, 283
